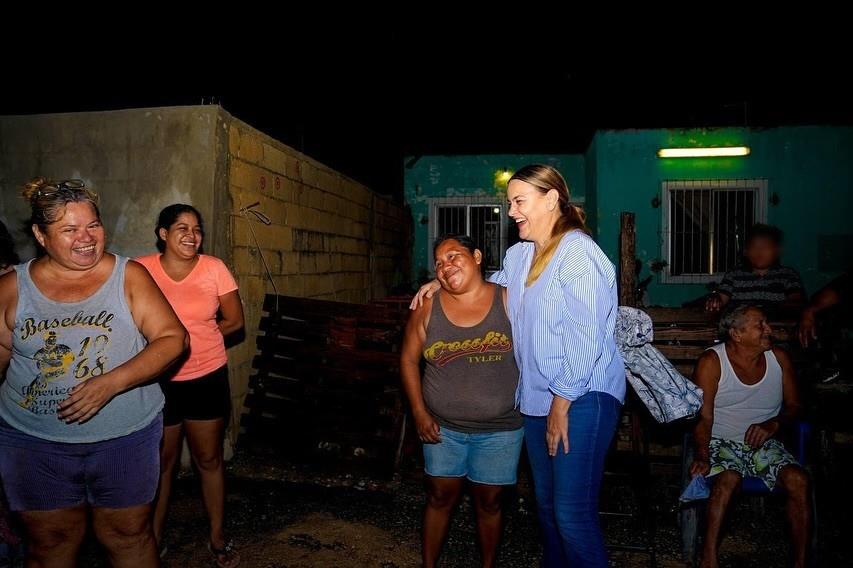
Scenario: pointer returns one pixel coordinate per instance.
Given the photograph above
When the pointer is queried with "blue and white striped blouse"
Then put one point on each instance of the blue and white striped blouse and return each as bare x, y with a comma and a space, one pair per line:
563, 324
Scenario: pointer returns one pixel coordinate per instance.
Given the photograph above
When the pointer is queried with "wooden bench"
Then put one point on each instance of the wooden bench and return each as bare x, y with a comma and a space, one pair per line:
683, 334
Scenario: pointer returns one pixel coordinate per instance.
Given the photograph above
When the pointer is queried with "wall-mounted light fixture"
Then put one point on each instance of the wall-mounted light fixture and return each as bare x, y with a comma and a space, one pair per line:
723, 151
502, 176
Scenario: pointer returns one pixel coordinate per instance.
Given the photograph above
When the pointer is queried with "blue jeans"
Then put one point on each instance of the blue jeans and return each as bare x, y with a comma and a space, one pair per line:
568, 485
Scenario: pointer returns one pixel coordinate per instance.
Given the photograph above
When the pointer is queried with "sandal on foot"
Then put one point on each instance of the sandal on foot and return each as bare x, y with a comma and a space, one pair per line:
226, 557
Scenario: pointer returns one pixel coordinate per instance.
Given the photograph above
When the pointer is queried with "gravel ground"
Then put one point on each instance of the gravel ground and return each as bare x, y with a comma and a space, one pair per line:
286, 516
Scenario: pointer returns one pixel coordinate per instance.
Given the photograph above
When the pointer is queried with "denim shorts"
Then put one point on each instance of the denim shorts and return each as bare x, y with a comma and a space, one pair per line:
41, 475
490, 458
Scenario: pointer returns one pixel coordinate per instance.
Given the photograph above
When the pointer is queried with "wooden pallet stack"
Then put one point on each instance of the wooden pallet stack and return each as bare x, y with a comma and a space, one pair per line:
327, 379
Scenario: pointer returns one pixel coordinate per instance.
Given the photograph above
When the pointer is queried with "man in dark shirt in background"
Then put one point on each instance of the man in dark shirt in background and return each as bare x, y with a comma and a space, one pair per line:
761, 279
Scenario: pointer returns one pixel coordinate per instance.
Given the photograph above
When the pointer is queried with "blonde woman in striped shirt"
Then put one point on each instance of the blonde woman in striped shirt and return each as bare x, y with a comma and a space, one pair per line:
562, 303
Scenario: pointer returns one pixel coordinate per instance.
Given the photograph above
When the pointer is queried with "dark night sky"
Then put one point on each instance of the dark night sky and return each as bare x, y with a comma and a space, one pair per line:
362, 111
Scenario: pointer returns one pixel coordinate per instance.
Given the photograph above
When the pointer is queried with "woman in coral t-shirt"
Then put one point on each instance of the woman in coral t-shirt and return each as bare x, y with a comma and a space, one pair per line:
204, 294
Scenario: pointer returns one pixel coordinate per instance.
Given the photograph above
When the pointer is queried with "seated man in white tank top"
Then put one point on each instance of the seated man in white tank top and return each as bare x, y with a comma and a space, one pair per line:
750, 393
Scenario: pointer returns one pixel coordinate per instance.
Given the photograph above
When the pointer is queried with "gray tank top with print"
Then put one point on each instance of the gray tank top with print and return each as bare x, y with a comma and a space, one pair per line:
471, 378
58, 345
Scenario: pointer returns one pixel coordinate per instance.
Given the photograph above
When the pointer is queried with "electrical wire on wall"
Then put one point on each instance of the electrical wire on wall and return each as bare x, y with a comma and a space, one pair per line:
261, 218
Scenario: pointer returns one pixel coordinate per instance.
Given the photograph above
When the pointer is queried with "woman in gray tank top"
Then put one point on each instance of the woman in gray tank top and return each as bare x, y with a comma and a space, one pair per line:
82, 333
465, 405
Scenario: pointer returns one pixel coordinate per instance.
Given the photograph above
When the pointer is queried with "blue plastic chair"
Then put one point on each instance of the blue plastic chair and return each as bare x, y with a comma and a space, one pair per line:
690, 513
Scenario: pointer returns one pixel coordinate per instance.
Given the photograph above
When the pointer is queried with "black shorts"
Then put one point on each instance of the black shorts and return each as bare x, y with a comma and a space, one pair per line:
204, 398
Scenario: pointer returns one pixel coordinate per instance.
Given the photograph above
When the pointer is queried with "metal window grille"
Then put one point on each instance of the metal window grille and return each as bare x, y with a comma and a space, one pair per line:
484, 219
704, 226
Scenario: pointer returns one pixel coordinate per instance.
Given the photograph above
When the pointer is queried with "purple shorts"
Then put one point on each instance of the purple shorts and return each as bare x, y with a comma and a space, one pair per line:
41, 475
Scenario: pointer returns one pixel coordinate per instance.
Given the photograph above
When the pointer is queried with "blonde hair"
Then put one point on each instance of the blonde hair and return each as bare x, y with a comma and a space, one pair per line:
48, 199
544, 179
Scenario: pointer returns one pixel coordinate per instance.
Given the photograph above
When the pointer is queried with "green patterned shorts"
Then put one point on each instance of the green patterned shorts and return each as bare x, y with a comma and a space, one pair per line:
763, 463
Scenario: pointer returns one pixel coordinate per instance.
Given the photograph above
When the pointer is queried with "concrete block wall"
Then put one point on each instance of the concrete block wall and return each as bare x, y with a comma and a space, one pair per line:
330, 237
137, 160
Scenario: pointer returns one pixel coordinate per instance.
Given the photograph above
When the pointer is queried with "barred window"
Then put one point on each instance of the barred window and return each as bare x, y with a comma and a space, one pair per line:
705, 224
483, 219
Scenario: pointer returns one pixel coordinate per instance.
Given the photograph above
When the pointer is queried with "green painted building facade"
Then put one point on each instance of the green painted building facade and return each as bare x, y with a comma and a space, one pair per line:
797, 178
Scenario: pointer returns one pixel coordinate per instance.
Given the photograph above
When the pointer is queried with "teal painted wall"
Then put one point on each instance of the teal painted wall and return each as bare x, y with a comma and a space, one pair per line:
455, 176
591, 202
809, 168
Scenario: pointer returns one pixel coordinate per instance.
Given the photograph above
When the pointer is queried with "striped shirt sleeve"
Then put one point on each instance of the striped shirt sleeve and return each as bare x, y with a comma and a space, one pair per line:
498, 278
793, 283
501, 277
727, 286
586, 294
